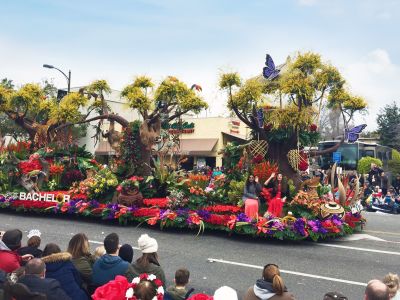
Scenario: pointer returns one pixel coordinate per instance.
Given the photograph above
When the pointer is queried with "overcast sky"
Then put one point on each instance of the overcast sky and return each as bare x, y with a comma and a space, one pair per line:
197, 40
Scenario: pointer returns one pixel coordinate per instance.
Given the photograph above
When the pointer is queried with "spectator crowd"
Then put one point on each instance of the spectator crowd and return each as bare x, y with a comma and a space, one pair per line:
379, 193
31, 273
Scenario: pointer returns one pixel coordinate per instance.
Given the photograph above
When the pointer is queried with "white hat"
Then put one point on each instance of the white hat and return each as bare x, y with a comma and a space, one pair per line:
225, 293
147, 244
34, 232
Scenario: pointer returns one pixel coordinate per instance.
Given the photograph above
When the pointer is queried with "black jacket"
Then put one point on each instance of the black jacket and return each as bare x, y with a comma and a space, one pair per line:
50, 287
373, 176
30, 250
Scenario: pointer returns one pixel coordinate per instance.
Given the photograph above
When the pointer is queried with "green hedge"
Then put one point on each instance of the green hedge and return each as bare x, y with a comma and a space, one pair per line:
364, 164
394, 163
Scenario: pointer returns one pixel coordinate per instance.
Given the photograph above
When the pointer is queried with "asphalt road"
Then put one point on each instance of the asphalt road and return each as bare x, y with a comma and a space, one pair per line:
309, 269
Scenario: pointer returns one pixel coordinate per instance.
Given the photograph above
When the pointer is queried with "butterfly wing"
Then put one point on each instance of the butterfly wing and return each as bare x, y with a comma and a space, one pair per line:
358, 129
274, 74
269, 62
352, 137
267, 72
270, 72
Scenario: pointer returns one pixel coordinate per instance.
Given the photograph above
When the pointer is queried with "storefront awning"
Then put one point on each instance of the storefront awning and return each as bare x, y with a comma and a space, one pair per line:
235, 135
197, 146
104, 148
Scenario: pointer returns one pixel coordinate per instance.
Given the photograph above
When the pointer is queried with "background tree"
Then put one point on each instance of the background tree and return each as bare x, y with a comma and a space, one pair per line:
302, 88
388, 121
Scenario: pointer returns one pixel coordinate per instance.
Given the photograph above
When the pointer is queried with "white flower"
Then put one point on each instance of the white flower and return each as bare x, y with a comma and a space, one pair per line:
129, 293
160, 290
154, 298
151, 277
136, 280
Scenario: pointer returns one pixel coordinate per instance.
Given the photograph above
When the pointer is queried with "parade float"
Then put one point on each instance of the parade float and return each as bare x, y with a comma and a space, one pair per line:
143, 183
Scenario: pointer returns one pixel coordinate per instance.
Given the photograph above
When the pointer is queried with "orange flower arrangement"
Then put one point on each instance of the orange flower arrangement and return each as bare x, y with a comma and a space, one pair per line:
196, 190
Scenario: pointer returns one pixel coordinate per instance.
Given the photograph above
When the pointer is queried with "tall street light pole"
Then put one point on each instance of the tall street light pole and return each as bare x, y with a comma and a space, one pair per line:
67, 77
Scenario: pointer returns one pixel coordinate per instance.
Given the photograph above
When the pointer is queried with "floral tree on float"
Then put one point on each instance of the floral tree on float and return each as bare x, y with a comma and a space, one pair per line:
301, 88
39, 114
170, 100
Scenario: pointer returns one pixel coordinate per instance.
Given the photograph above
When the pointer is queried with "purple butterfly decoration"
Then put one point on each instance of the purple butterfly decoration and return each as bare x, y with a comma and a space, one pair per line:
270, 71
352, 135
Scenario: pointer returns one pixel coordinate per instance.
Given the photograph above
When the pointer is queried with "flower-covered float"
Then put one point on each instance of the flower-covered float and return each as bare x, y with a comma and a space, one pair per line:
74, 184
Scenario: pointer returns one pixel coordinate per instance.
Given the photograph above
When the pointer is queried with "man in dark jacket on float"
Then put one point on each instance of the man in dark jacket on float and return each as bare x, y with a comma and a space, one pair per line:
373, 175
110, 264
34, 279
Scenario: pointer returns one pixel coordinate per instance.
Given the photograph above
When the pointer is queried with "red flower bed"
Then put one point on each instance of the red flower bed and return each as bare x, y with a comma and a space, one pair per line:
27, 204
223, 209
216, 219
146, 212
159, 202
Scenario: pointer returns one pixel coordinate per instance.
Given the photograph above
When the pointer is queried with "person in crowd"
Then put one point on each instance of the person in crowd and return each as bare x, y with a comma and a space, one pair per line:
34, 279
178, 291
250, 198
216, 172
225, 293
279, 194
33, 244
60, 267
334, 296
384, 183
110, 264
396, 184
393, 283
377, 195
373, 174
10, 260
376, 290
352, 178
145, 290
99, 252
208, 171
148, 262
390, 201
126, 253
271, 286
82, 259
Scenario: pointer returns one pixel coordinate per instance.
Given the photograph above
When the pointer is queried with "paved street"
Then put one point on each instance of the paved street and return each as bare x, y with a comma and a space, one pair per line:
310, 269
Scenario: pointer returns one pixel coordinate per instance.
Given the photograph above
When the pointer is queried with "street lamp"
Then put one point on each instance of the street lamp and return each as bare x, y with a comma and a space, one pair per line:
67, 77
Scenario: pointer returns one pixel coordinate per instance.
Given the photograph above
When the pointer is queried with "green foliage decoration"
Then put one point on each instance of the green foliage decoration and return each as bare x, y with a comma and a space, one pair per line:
130, 151
235, 191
